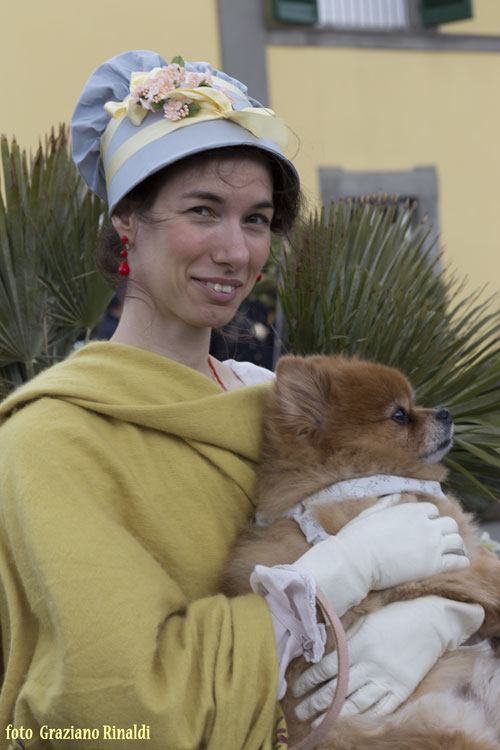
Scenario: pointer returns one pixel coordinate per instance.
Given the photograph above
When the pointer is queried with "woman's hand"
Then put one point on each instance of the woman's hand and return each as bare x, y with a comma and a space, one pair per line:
390, 652
403, 543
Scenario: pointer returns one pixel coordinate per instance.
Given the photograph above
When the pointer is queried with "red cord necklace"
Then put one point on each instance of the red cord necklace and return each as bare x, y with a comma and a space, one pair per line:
215, 375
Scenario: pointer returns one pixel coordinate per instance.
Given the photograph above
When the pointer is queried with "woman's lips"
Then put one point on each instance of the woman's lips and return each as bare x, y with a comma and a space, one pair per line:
223, 290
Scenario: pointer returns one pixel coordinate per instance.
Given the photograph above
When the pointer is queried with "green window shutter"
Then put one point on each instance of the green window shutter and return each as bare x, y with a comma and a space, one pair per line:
295, 11
435, 12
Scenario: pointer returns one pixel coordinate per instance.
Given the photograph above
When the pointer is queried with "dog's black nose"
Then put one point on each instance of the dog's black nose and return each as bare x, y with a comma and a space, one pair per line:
443, 414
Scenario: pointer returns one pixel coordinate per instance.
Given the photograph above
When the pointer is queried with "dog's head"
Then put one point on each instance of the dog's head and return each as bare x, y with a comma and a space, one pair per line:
323, 406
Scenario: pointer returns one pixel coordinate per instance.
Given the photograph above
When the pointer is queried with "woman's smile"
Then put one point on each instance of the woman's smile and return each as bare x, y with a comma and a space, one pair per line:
223, 290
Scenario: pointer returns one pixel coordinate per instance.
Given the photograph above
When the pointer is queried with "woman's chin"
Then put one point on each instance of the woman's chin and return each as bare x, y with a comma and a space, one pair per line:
219, 316
219, 321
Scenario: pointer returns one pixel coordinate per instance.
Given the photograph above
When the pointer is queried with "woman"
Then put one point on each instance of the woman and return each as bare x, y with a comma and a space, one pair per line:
128, 470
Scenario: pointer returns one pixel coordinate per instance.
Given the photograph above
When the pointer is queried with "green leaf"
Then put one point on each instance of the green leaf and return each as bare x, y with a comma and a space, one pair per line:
193, 108
178, 60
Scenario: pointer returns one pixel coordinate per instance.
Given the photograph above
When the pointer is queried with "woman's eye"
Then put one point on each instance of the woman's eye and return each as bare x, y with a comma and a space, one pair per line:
259, 219
400, 416
201, 210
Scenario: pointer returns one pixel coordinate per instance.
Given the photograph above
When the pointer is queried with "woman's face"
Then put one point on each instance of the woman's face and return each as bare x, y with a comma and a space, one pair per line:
206, 238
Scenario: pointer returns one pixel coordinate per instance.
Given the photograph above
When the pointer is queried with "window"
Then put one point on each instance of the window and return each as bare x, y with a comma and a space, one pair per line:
370, 14
363, 14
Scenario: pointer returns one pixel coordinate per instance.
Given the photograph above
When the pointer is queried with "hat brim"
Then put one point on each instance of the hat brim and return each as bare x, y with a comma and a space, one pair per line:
178, 145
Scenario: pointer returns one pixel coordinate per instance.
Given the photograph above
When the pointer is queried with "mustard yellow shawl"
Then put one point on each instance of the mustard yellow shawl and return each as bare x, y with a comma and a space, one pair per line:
125, 478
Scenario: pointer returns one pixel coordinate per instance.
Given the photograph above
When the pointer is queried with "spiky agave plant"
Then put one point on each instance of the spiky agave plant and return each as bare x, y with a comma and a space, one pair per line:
50, 292
363, 280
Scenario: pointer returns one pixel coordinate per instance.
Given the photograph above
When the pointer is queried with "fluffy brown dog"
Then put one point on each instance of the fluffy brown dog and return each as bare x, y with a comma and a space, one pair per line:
331, 419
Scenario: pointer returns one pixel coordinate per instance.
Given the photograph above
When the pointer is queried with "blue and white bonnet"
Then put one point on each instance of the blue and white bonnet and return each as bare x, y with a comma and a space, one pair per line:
138, 114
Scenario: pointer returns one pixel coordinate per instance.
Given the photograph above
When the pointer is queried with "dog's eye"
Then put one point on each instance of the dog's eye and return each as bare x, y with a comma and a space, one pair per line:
400, 416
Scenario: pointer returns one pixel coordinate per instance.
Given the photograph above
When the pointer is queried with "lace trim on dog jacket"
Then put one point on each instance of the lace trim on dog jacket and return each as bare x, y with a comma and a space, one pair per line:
388, 487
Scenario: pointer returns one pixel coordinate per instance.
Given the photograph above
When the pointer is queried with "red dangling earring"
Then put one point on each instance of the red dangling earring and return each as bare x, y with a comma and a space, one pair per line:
124, 268
258, 277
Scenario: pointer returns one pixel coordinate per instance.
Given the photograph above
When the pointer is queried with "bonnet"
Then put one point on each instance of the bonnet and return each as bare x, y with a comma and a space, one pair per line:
137, 114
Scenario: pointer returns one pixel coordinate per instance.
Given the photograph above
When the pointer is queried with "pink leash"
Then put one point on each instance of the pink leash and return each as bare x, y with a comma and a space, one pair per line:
319, 732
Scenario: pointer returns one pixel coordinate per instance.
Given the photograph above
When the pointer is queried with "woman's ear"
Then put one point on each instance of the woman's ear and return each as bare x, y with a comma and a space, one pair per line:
124, 222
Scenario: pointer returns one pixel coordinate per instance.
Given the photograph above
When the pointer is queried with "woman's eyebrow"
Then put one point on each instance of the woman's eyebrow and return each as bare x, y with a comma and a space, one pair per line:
264, 204
203, 195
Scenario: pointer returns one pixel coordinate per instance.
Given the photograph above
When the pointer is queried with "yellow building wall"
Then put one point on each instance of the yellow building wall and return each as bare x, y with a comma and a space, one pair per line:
381, 110
49, 49
359, 109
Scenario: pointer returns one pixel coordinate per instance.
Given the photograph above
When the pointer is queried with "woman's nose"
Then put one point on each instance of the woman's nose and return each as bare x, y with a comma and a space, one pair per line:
230, 245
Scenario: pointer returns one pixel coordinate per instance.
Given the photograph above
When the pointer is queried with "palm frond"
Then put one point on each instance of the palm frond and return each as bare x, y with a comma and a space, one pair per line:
364, 281
50, 292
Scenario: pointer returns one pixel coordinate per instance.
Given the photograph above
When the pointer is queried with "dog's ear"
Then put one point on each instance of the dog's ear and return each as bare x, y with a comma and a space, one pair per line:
301, 397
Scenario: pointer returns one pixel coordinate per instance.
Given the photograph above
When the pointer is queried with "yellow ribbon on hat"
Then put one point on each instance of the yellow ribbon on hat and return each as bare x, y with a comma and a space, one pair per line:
136, 112
213, 104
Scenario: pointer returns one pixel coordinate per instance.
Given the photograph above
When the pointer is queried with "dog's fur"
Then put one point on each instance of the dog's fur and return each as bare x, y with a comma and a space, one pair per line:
330, 419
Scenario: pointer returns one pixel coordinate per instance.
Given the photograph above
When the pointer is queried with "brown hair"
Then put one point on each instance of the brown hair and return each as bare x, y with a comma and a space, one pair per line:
287, 200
